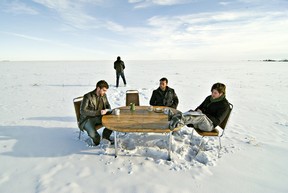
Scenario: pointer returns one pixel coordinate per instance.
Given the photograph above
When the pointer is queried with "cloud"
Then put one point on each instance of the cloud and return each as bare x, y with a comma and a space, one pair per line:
18, 7
170, 2
114, 26
176, 35
218, 32
214, 21
73, 12
147, 3
224, 3
33, 38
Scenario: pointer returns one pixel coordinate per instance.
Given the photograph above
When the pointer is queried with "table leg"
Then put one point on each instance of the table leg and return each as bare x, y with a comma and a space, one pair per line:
170, 144
115, 142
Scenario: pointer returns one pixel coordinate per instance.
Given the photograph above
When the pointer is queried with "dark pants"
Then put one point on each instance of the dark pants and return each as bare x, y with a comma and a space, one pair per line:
92, 132
118, 74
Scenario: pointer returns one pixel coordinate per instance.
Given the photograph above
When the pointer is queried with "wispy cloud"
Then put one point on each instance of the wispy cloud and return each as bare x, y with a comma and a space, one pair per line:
224, 3
18, 7
147, 3
73, 12
158, 33
34, 38
215, 22
222, 32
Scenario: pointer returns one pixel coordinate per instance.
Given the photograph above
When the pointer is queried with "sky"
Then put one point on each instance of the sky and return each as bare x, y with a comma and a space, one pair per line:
143, 29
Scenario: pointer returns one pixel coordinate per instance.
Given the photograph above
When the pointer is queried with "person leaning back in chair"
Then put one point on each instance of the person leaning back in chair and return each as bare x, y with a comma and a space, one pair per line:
211, 112
94, 105
164, 95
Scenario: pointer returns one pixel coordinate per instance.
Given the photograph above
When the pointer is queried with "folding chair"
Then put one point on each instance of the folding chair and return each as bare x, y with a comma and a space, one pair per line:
215, 131
77, 104
132, 96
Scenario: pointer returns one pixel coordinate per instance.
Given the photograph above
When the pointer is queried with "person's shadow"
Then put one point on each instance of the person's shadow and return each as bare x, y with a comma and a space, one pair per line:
36, 141
60, 119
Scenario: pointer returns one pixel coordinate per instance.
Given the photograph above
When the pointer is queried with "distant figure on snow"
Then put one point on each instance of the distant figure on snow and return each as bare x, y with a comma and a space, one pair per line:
211, 112
119, 66
164, 95
94, 105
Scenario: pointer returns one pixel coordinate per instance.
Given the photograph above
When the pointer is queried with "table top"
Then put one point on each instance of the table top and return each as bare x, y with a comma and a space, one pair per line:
140, 120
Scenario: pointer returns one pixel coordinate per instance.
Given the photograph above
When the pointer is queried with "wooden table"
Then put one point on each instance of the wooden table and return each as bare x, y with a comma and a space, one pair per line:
140, 120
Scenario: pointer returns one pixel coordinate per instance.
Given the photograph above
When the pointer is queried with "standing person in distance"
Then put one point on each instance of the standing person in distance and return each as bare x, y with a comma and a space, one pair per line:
119, 66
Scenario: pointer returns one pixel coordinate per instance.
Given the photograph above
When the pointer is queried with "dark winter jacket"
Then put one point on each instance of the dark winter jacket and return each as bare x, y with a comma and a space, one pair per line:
215, 111
119, 66
164, 98
91, 106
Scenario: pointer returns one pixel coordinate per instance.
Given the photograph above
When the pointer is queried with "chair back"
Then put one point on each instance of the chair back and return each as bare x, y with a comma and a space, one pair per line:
224, 122
132, 96
77, 103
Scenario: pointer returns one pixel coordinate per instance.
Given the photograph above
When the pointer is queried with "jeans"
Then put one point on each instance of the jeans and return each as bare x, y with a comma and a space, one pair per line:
201, 122
118, 74
90, 128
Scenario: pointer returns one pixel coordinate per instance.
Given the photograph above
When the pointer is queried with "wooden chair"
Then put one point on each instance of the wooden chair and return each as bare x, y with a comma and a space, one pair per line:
77, 104
132, 96
215, 132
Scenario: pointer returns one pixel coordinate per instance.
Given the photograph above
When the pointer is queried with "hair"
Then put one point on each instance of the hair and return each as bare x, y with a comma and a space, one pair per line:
220, 87
118, 58
101, 84
164, 79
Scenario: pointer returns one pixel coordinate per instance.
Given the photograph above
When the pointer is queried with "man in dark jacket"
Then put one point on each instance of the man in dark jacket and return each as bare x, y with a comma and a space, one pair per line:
211, 112
164, 95
119, 66
94, 105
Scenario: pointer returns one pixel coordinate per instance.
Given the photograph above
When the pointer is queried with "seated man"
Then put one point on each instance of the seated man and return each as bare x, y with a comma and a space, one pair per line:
164, 95
208, 115
94, 105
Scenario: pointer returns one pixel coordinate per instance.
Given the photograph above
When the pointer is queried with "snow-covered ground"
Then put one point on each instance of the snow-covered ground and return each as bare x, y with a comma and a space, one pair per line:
40, 151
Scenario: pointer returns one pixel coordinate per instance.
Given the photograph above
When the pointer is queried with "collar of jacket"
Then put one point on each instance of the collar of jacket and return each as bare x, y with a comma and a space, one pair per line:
217, 99
166, 90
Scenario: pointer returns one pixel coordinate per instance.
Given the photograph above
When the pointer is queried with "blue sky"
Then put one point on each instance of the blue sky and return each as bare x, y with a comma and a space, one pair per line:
143, 29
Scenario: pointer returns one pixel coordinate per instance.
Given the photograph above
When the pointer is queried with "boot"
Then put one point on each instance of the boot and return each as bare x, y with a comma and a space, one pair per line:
170, 114
96, 139
106, 135
175, 121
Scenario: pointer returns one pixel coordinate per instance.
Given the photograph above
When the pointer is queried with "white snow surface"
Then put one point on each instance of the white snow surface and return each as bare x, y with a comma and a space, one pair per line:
40, 151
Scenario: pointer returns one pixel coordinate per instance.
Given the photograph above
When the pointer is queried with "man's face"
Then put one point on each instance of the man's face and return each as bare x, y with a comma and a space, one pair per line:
163, 85
215, 94
101, 91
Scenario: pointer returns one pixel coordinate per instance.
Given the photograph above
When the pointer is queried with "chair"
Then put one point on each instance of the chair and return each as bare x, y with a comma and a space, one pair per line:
132, 96
215, 132
77, 104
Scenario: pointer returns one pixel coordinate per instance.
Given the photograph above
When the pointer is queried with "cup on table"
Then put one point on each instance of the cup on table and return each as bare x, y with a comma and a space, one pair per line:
117, 111
166, 111
150, 108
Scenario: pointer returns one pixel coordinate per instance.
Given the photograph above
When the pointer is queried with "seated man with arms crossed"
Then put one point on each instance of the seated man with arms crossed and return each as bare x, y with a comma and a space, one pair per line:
164, 95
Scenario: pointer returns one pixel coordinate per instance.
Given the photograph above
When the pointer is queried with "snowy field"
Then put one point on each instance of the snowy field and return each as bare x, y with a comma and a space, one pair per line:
40, 151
